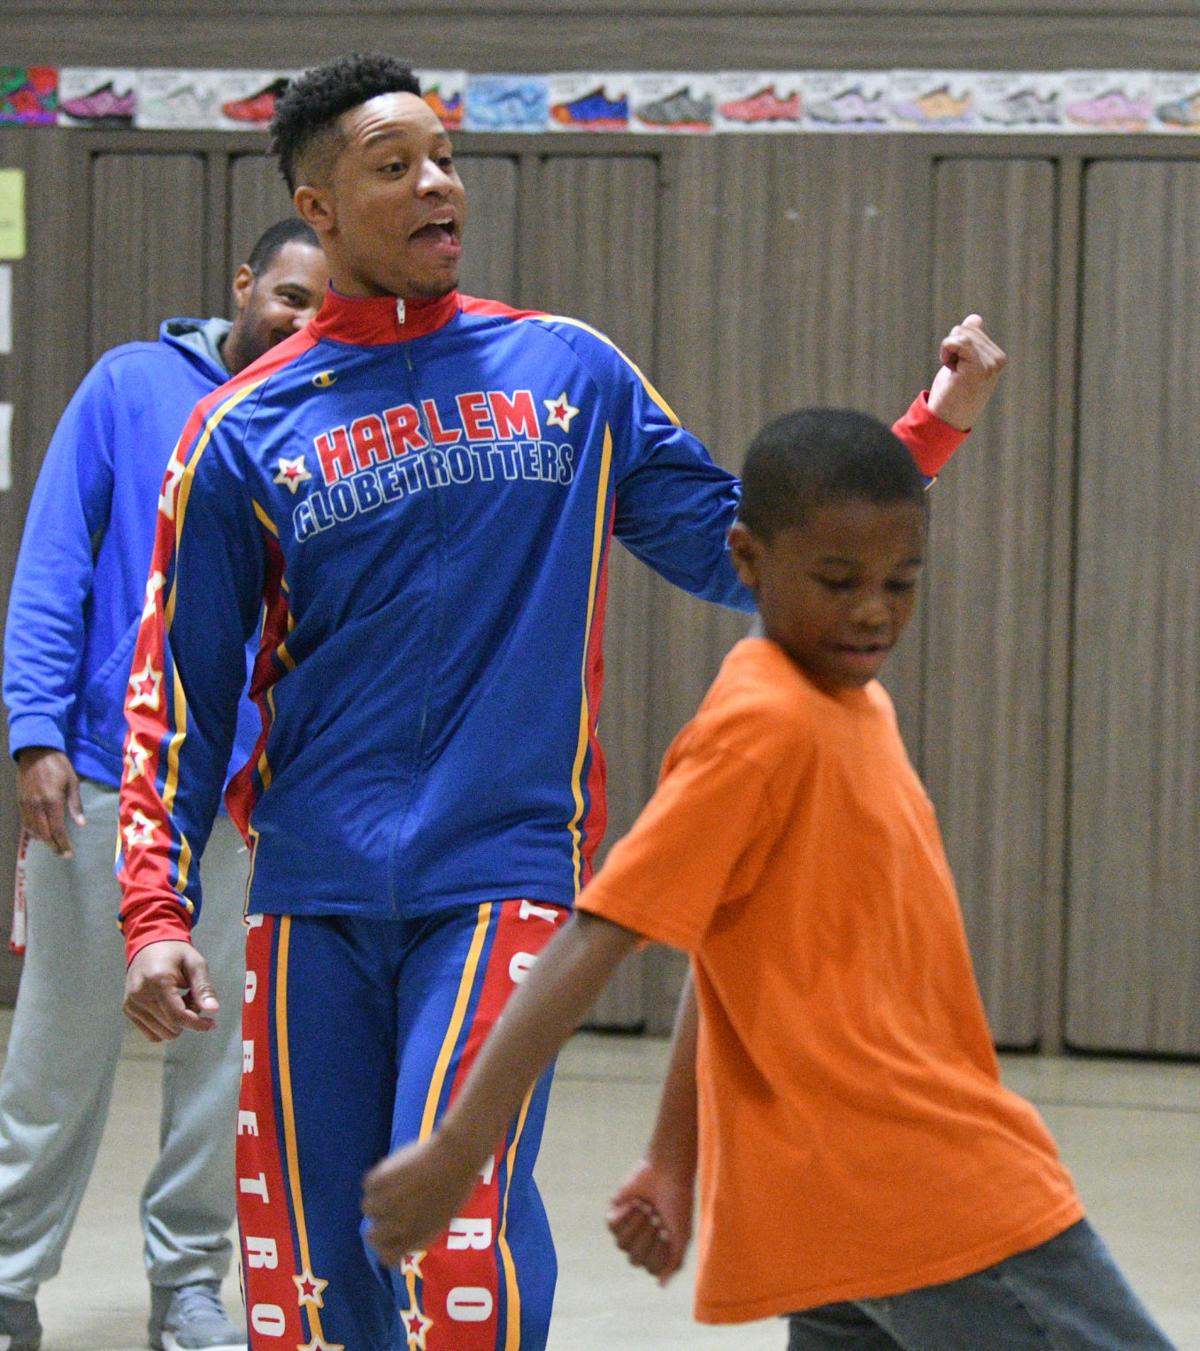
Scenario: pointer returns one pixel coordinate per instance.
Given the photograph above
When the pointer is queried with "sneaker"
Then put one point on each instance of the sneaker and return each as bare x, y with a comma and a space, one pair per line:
1024, 108
594, 111
448, 111
256, 108
765, 106
850, 108
938, 107
19, 1326
102, 107
191, 1317
1183, 113
1114, 111
496, 105
179, 107
681, 111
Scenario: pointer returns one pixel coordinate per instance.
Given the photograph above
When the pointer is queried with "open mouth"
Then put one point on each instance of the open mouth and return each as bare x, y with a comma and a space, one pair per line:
440, 231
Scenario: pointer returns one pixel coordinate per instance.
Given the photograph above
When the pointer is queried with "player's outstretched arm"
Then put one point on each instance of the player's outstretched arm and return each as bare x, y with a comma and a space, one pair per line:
966, 380
650, 1216
167, 990
412, 1196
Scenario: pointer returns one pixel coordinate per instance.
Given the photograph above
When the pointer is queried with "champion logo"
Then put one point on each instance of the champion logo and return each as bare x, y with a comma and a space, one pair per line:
323, 379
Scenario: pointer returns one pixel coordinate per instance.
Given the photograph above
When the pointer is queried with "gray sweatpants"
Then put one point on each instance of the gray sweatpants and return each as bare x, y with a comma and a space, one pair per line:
62, 1057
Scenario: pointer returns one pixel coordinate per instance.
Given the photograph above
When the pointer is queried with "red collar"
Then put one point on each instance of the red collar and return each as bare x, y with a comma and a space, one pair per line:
377, 319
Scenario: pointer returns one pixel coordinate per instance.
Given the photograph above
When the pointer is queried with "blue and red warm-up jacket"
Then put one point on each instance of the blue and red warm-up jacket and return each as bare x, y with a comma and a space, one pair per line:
419, 500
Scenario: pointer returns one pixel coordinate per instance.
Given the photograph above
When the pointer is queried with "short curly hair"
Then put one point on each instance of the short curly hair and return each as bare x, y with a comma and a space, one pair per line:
310, 106
816, 456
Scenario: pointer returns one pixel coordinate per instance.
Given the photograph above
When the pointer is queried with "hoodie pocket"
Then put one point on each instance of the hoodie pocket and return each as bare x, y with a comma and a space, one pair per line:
101, 692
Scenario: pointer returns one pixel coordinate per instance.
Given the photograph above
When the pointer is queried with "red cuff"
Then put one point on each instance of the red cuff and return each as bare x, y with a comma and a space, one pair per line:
163, 921
930, 441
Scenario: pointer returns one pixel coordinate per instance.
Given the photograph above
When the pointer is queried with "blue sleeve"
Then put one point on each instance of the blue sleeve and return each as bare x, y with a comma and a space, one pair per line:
674, 506
67, 519
189, 669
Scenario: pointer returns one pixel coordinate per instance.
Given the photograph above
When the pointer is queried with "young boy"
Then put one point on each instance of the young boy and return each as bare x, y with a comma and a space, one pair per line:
862, 1168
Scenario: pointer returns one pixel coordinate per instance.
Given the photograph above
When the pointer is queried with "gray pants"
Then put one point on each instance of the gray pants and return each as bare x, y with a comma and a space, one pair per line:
62, 1057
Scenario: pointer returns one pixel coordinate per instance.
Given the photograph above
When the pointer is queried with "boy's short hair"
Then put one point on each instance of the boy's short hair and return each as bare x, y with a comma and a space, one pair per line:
293, 230
815, 456
310, 106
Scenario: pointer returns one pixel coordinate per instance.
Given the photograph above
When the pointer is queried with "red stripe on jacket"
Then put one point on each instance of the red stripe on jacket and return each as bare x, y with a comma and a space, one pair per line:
151, 907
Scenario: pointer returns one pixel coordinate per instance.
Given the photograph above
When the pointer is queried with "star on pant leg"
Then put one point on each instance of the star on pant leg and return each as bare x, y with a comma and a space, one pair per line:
410, 1264
310, 1288
416, 1327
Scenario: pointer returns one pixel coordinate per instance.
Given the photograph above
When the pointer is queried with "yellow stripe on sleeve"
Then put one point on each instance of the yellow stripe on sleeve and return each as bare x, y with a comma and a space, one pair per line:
584, 710
171, 785
633, 366
264, 519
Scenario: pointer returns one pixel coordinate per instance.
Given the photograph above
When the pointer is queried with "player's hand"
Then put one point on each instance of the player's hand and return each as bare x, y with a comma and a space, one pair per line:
411, 1197
48, 788
971, 366
167, 990
650, 1216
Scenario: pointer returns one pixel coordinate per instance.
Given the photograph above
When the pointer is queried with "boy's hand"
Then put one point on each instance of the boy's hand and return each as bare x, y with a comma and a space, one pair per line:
971, 365
650, 1216
411, 1197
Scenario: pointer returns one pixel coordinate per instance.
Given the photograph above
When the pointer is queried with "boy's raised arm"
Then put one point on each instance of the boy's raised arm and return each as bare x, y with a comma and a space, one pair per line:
412, 1196
651, 1214
936, 423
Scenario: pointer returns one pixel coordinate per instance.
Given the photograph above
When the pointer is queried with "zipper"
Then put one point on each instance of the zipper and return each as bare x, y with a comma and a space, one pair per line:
434, 645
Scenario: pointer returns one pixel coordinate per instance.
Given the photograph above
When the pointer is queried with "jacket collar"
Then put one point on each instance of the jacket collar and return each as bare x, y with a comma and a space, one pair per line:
381, 319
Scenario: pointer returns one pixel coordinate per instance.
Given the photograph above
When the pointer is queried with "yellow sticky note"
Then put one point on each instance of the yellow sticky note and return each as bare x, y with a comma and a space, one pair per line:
12, 213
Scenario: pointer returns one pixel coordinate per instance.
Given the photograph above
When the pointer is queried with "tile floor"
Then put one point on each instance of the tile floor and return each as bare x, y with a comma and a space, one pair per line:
1129, 1130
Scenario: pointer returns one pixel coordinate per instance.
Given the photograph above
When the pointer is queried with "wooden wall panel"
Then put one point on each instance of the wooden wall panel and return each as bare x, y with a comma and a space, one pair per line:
593, 236
793, 274
796, 277
988, 712
748, 275
258, 197
628, 35
48, 359
490, 255
1133, 941
149, 229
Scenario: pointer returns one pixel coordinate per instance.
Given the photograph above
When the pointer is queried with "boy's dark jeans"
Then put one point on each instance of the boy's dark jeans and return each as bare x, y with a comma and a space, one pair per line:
1064, 1295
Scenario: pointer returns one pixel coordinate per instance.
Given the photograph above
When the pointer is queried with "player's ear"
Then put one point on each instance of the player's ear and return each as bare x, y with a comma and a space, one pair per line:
314, 205
745, 549
243, 284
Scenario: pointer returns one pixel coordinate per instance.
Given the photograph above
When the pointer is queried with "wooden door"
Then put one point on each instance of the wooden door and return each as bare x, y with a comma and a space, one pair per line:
1133, 941
990, 718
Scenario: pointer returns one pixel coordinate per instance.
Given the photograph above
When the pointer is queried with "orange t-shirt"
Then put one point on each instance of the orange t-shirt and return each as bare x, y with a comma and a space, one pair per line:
855, 1139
